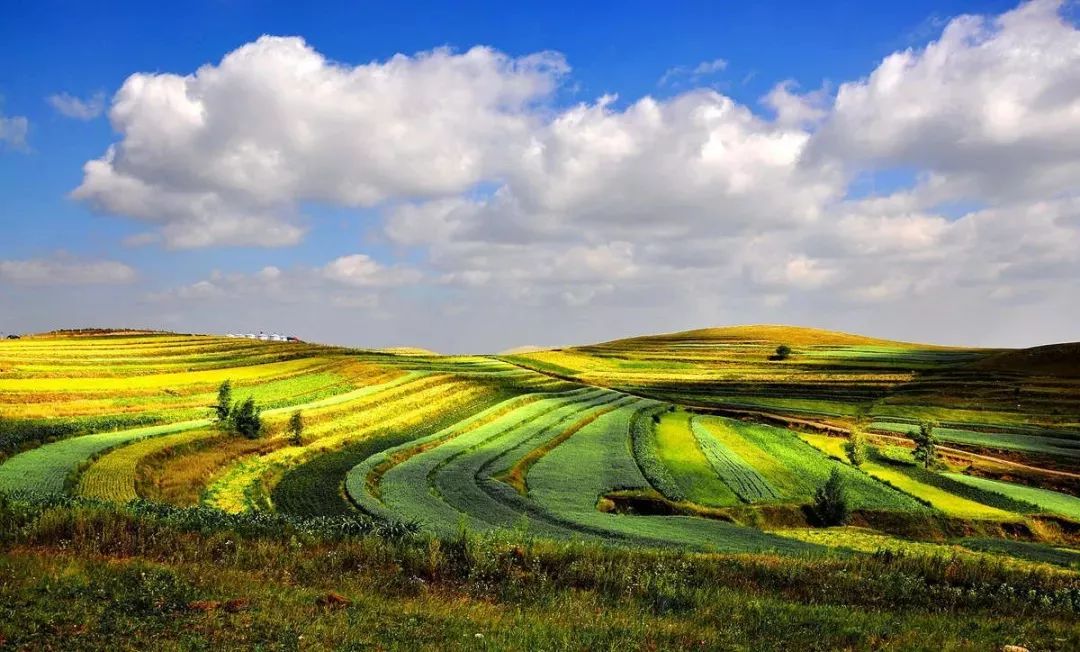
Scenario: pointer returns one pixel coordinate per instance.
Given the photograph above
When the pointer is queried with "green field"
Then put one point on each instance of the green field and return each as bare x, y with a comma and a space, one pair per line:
652, 450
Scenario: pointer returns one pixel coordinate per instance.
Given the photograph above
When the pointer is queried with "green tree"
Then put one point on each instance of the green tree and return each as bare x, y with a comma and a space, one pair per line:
296, 428
245, 419
855, 447
830, 501
783, 352
224, 402
925, 445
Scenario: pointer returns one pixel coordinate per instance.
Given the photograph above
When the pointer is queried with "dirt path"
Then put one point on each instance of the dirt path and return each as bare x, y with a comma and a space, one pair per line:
987, 458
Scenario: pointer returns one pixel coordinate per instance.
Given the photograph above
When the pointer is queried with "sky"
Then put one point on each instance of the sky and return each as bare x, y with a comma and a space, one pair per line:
471, 177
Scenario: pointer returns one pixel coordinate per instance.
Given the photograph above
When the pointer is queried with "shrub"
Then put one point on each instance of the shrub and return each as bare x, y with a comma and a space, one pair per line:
245, 419
925, 445
783, 352
855, 447
224, 402
830, 501
296, 429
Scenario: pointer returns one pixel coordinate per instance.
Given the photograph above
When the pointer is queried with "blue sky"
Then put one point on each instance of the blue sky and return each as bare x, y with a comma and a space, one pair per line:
632, 50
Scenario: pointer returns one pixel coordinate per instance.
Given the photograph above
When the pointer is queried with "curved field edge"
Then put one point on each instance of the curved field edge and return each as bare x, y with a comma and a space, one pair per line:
50, 468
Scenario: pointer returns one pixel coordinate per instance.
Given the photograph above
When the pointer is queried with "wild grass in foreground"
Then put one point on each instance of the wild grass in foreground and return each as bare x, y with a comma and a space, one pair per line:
77, 574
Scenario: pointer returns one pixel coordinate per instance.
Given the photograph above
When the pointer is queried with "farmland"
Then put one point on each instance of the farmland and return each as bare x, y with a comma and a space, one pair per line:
704, 452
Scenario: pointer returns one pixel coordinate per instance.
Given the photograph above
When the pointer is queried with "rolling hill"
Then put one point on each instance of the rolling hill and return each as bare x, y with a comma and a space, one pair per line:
702, 442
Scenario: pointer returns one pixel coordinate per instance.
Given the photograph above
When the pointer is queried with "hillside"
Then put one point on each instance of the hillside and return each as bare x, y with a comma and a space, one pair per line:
768, 334
701, 442
1059, 360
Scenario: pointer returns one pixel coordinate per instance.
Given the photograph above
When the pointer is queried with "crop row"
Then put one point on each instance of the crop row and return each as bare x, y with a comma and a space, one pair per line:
48, 467
315, 488
457, 480
1044, 499
241, 488
112, 477
568, 482
797, 469
407, 490
742, 478
643, 444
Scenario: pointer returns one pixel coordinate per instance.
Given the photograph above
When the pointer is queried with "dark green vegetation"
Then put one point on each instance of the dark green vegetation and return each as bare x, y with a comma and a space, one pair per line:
754, 486
86, 575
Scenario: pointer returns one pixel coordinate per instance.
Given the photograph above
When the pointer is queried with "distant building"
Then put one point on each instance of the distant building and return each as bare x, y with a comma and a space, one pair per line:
266, 337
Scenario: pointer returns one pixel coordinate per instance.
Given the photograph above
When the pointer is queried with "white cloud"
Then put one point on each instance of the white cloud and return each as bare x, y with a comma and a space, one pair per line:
656, 213
13, 130
361, 270
992, 107
692, 74
78, 108
797, 110
709, 67
62, 270
354, 280
225, 155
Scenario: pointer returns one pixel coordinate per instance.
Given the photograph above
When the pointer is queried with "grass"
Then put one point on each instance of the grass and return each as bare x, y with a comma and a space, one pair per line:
1051, 501
47, 469
82, 576
951, 504
602, 463
680, 451
731, 468
797, 469
114, 476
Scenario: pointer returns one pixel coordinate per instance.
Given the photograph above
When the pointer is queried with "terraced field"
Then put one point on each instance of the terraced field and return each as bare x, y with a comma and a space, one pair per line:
698, 440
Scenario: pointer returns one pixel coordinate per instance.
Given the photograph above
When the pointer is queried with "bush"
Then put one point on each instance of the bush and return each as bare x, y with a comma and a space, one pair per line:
296, 429
783, 352
925, 445
245, 420
830, 501
224, 402
856, 447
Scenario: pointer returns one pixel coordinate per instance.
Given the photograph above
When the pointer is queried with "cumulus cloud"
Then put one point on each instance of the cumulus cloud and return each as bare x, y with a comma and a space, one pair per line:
224, 155
696, 202
992, 106
78, 108
62, 270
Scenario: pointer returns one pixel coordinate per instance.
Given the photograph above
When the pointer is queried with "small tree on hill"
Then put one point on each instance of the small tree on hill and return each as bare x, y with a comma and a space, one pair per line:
296, 428
224, 402
245, 419
855, 447
830, 501
925, 445
783, 352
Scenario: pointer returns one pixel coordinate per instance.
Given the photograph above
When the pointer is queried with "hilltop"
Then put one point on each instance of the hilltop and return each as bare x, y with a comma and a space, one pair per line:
774, 334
